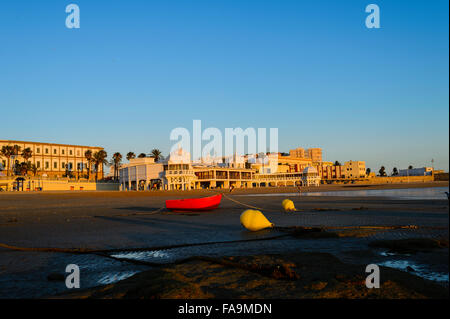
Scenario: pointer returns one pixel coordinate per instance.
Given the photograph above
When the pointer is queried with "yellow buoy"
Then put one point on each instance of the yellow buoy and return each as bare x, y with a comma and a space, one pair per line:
254, 220
288, 205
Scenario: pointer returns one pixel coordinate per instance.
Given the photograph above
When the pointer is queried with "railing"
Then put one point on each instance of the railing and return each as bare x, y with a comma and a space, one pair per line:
62, 179
179, 172
278, 177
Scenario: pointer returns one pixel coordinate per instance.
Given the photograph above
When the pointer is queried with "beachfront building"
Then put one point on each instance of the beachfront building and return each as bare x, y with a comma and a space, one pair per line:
222, 177
313, 154
174, 173
266, 163
295, 164
329, 171
310, 177
140, 174
420, 171
354, 170
50, 159
178, 172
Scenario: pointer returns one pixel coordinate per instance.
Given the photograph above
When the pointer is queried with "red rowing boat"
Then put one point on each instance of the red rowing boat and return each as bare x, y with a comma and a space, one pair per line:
194, 204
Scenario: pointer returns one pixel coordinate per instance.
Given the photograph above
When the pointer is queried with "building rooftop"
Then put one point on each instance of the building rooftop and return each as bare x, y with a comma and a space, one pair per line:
43, 143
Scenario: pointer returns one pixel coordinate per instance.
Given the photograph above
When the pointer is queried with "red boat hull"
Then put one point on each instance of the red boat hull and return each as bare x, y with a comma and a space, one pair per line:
194, 204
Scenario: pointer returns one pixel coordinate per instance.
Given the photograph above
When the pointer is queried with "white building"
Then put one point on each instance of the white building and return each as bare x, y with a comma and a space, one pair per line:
265, 164
310, 177
421, 171
175, 172
140, 174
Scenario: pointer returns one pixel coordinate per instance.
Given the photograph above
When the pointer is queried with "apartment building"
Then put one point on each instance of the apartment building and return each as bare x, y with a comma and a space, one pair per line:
52, 160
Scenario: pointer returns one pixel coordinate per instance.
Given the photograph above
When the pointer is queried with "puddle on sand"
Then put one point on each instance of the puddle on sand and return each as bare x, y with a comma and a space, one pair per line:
144, 255
419, 269
113, 277
387, 253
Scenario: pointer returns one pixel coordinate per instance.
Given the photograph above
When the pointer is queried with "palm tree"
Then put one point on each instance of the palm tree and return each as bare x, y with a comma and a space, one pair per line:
23, 168
88, 156
99, 159
27, 154
382, 171
34, 169
410, 167
156, 153
7, 151
368, 170
142, 155
130, 155
16, 151
117, 158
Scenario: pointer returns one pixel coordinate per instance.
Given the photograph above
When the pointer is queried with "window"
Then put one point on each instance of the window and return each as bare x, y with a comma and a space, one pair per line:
78, 153
70, 152
46, 151
63, 165
55, 165
38, 150
54, 151
62, 152
38, 164
47, 165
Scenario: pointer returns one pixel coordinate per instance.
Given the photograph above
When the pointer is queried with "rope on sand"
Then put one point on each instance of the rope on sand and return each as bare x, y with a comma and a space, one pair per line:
246, 205
241, 203
133, 214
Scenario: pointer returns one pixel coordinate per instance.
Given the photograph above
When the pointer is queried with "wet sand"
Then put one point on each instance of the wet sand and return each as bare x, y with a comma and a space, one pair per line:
131, 220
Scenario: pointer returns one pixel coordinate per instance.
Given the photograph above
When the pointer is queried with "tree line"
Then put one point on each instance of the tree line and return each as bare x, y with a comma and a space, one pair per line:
116, 160
382, 171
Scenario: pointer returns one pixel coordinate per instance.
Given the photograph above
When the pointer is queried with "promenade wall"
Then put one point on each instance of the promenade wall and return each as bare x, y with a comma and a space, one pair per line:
36, 184
399, 179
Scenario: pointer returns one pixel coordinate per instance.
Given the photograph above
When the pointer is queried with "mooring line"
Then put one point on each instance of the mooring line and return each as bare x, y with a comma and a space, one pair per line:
244, 204
132, 214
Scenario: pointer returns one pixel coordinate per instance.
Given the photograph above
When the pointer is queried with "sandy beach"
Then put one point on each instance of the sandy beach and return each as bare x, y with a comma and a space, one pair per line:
133, 226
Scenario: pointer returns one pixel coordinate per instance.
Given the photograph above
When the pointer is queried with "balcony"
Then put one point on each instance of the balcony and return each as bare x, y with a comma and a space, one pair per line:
178, 172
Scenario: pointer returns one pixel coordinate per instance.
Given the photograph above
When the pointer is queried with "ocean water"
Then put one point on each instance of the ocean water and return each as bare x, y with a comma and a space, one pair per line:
431, 193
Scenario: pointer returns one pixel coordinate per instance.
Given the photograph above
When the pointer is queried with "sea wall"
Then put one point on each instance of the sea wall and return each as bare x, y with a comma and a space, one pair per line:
36, 184
399, 179
441, 177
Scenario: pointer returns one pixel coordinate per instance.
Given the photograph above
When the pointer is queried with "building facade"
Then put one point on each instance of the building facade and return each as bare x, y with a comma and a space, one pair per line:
314, 154
178, 172
354, 169
420, 171
310, 177
52, 160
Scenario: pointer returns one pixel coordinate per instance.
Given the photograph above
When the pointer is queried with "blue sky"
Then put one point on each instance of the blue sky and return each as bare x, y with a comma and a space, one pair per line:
137, 69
